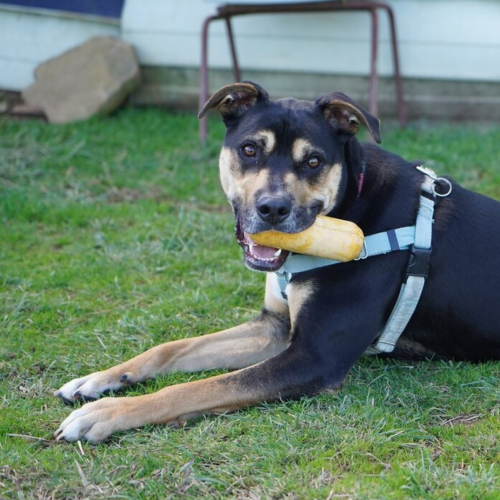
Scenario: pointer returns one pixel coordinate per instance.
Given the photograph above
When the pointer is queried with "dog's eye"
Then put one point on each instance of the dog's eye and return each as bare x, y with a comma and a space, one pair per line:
249, 150
313, 162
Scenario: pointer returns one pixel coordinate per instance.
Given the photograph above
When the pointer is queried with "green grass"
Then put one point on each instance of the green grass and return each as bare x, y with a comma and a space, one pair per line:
114, 237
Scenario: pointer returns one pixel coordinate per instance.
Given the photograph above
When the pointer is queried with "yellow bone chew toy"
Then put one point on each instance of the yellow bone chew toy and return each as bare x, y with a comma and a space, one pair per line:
328, 238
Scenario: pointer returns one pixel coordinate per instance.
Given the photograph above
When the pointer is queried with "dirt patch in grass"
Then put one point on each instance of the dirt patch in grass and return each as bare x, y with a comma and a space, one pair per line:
128, 195
460, 420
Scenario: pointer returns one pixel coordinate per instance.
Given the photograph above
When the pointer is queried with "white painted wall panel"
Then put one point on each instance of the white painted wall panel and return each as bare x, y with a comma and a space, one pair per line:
15, 75
27, 39
439, 39
444, 39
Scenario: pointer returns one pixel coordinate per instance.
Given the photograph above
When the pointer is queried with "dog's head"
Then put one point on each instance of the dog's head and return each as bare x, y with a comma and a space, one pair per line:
283, 162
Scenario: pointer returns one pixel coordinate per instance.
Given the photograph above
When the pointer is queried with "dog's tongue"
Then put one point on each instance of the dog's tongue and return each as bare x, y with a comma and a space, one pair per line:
259, 251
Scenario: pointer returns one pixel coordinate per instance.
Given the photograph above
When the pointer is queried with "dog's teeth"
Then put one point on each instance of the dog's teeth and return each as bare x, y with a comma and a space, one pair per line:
278, 252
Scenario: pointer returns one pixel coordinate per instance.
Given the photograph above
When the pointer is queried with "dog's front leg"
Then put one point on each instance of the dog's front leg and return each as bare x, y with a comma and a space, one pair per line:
282, 376
324, 346
237, 347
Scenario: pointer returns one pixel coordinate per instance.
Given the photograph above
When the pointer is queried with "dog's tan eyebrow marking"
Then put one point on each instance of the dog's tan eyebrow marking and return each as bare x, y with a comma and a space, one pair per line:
302, 148
268, 138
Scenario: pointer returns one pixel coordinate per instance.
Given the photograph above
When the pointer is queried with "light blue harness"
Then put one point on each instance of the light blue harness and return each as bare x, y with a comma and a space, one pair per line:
417, 238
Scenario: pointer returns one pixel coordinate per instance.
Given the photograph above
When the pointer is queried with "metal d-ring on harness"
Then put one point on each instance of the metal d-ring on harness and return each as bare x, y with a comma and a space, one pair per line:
417, 238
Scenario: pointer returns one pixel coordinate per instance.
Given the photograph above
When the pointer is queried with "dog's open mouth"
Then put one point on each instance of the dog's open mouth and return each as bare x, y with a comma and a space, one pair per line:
259, 257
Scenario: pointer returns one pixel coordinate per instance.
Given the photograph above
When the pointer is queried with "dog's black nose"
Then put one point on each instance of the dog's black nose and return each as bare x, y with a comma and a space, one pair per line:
274, 209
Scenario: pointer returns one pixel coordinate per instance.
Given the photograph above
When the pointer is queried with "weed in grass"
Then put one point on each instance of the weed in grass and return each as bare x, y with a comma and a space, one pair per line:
114, 237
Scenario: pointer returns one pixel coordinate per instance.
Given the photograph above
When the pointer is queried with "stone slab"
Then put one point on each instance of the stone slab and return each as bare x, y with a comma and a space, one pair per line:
92, 79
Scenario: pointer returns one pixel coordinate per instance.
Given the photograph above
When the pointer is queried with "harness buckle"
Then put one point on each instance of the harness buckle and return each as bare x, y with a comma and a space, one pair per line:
364, 252
418, 264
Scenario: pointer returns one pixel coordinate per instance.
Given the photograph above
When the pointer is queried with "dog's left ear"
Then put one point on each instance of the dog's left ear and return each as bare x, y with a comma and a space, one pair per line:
235, 100
345, 115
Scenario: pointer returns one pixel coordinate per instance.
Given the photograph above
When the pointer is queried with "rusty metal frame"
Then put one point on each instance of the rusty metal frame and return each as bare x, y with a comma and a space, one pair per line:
226, 12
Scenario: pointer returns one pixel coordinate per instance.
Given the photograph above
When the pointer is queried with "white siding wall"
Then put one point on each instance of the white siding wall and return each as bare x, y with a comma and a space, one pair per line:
27, 39
439, 39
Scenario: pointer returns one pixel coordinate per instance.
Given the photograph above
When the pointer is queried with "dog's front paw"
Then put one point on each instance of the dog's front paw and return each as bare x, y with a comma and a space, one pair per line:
93, 386
95, 422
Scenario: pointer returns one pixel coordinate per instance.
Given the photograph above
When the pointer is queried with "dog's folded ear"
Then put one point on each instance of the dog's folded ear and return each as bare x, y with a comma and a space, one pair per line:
235, 100
345, 115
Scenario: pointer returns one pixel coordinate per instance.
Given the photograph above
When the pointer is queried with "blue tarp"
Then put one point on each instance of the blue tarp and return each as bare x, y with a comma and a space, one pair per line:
107, 8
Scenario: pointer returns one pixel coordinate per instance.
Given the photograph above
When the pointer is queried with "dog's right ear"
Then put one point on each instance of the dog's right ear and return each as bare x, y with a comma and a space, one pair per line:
235, 100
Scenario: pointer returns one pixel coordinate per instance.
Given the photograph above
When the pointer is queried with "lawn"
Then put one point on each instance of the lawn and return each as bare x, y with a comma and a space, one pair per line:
114, 237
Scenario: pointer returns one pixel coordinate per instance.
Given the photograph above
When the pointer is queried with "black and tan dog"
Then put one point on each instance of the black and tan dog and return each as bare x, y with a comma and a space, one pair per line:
282, 163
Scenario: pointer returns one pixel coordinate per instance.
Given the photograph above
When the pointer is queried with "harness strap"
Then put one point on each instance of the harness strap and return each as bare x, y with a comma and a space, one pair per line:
416, 274
406, 304
376, 244
418, 238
